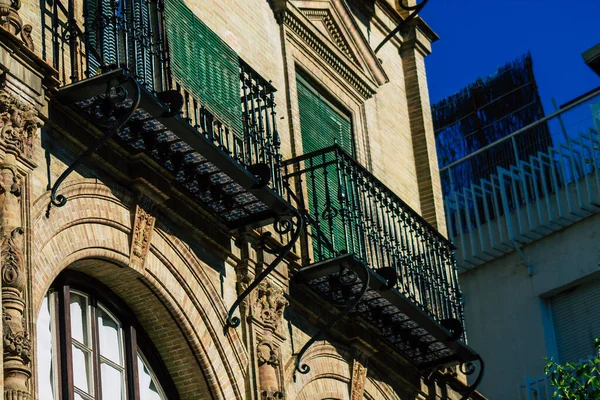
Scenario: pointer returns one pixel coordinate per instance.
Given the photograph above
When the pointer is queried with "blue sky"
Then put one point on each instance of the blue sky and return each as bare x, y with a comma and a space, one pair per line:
477, 36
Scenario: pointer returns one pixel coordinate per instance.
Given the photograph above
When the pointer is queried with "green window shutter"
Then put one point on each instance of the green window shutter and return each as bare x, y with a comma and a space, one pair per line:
204, 65
322, 125
100, 31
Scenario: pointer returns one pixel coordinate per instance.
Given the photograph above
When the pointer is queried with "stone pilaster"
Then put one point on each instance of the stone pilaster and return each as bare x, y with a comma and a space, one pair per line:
19, 128
417, 44
16, 340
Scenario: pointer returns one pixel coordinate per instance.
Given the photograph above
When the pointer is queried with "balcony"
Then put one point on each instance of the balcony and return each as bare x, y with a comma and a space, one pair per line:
218, 144
359, 231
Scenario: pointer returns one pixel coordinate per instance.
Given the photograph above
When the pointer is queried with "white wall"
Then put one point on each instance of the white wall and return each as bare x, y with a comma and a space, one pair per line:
503, 304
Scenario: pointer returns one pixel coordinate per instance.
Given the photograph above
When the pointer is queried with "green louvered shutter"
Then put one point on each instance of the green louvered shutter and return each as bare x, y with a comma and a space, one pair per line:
322, 125
203, 64
100, 35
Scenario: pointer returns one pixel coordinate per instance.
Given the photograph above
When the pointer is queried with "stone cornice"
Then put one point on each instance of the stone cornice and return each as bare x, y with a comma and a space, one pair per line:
324, 48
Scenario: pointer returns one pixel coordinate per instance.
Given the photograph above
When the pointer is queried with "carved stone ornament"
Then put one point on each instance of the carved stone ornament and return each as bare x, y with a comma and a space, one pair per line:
16, 340
26, 37
268, 357
359, 375
10, 181
17, 344
19, 124
266, 354
270, 305
143, 227
13, 275
9, 17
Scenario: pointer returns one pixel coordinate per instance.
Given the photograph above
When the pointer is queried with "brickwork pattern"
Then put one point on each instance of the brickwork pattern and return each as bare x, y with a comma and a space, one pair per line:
173, 299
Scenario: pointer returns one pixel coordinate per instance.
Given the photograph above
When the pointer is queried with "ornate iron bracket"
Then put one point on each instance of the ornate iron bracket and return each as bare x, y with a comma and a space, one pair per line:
113, 125
305, 369
468, 369
416, 9
281, 227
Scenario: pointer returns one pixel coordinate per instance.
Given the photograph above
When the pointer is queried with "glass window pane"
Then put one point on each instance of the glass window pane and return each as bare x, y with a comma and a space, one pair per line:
45, 339
79, 318
82, 371
112, 382
149, 387
109, 330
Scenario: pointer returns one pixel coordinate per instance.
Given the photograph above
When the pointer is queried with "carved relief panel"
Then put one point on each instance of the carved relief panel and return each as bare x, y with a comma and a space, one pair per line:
143, 226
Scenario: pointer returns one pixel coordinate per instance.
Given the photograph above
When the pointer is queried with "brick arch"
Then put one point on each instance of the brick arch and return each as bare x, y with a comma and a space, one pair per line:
377, 389
173, 297
330, 376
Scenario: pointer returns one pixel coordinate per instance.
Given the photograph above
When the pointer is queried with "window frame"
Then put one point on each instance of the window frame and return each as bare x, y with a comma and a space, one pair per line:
135, 340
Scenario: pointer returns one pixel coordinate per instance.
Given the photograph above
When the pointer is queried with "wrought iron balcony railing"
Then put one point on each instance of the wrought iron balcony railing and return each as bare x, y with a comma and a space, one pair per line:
132, 36
351, 211
373, 256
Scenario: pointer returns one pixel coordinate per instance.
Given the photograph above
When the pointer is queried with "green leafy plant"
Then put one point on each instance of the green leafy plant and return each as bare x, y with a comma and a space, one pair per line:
575, 381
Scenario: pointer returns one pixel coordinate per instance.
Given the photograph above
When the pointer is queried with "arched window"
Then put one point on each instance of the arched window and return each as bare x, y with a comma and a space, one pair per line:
91, 348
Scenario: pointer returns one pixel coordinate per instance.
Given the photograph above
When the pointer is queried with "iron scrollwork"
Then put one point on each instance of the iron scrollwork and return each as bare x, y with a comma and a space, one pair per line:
346, 280
281, 227
469, 368
416, 9
114, 118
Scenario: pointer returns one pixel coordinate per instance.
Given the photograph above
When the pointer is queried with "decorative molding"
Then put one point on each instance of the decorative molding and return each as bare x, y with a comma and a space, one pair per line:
359, 375
143, 226
269, 305
326, 18
19, 124
329, 52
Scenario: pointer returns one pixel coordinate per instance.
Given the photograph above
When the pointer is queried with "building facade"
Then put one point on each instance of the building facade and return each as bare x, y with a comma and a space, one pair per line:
223, 200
